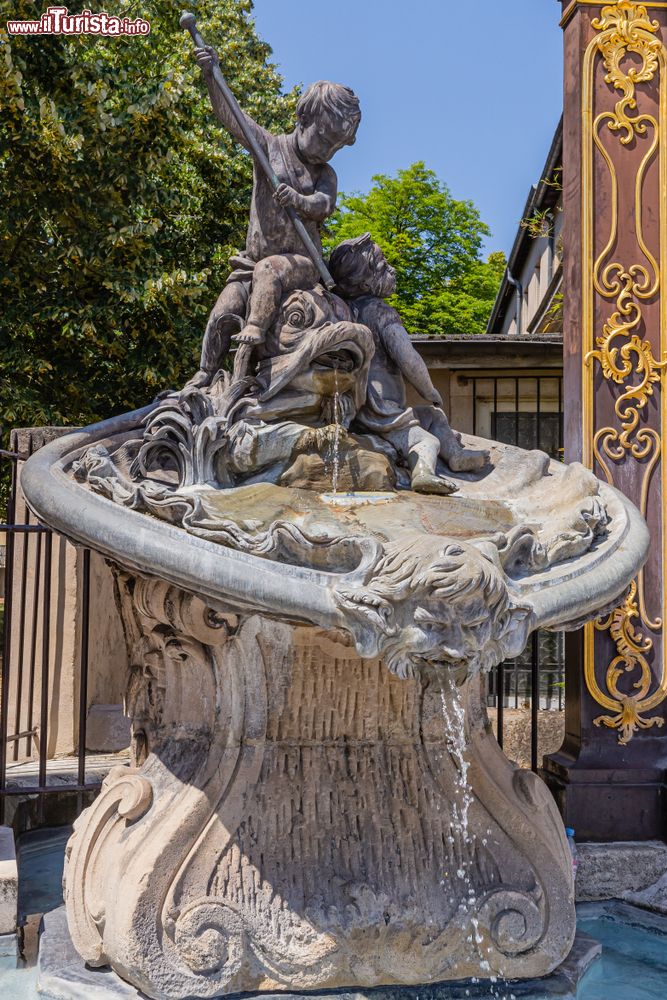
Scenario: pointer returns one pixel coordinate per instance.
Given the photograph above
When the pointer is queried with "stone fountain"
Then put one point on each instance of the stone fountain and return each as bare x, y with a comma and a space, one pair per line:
313, 579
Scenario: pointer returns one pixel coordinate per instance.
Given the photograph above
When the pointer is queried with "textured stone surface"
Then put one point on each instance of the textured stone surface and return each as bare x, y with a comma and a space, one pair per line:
631, 871
653, 898
292, 820
8, 949
310, 836
107, 729
312, 470
64, 976
61, 973
8, 881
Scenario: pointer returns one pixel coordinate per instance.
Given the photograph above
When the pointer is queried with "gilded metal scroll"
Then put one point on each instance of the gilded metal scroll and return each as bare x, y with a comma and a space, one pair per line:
627, 46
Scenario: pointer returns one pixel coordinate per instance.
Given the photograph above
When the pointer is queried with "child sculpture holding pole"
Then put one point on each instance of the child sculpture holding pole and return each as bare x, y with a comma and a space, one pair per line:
294, 191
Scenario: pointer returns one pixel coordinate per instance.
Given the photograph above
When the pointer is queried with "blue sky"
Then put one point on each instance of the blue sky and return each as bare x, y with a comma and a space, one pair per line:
472, 87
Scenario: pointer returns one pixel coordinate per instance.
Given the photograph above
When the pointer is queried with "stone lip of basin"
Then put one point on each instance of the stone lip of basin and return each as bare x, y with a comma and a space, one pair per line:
563, 595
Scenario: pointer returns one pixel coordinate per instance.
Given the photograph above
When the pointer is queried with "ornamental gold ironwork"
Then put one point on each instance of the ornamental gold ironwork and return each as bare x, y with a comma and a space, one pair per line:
632, 648
623, 355
625, 28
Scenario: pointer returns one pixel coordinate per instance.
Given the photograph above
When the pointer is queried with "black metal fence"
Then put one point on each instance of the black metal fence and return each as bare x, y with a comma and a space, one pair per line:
534, 682
547, 651
27, 648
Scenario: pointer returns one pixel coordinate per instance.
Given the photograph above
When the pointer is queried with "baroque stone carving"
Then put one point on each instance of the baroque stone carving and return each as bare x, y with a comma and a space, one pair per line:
295, 821
316, 799
400, 596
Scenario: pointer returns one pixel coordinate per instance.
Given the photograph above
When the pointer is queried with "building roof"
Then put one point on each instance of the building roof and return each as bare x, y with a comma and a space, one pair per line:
485, 351
487, 339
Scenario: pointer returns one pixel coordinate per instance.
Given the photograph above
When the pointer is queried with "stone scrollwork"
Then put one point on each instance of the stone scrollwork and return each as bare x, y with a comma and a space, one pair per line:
182, 432
515, 921
208, 935
192, 698
622, 351
125, 797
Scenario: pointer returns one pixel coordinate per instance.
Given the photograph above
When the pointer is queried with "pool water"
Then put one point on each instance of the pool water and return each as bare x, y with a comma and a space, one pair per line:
633, 965
17, 983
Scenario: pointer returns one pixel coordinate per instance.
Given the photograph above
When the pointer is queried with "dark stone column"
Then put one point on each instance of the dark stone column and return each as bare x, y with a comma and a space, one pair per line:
609, 776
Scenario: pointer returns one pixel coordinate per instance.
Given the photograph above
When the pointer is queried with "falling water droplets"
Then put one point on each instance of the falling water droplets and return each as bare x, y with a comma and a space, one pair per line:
454, 718
336, 440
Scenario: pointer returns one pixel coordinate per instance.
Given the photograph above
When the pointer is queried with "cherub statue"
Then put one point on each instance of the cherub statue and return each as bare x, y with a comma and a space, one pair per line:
328, 116
420, 434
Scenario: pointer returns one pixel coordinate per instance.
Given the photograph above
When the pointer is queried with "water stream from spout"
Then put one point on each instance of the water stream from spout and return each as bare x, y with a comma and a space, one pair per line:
453, 714
336, 440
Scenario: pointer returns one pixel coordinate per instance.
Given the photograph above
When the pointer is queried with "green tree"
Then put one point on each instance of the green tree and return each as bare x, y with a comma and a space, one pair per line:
464, 304
434, 242
122, 201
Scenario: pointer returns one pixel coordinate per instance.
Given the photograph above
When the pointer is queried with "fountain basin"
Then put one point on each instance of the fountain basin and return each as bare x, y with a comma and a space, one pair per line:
356, 499
305, 689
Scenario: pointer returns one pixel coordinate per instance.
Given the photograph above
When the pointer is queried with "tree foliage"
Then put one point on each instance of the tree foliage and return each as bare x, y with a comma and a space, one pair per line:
122, 201
434, 242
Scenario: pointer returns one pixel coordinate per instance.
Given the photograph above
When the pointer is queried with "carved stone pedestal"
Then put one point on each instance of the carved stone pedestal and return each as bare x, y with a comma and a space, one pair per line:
298, 819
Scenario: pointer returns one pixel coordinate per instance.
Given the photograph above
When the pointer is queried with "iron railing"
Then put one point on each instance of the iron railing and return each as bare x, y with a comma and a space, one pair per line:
27, 649
534, 681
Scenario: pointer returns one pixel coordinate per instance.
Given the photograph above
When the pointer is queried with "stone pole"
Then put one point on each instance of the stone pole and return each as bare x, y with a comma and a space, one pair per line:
609, 777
